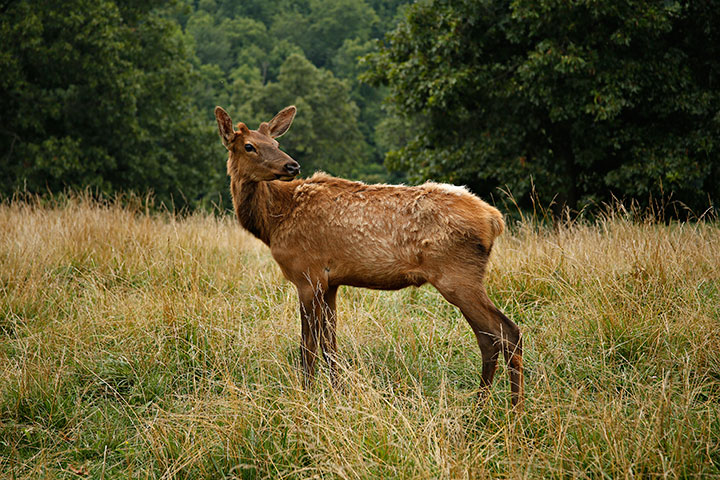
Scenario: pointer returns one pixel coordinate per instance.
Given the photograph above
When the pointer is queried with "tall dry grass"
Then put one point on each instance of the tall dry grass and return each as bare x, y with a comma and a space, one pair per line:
137, 345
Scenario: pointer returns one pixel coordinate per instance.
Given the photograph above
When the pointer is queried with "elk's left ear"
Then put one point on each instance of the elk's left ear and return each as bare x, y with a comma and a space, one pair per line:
227, 134
282, 121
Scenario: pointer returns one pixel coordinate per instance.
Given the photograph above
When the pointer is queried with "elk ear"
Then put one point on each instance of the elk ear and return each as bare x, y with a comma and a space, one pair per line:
227, 134
282, 121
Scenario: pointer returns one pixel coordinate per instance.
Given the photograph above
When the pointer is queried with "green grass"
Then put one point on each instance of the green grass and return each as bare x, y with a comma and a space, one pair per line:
144, 346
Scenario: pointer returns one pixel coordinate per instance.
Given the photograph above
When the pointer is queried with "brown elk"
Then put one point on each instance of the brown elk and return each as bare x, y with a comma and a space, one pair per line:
325, 232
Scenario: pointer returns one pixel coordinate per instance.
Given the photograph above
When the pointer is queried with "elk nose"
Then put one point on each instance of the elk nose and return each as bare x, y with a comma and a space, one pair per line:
293, 168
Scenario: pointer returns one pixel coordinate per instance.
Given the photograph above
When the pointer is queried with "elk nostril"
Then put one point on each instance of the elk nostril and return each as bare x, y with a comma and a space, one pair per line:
292, 168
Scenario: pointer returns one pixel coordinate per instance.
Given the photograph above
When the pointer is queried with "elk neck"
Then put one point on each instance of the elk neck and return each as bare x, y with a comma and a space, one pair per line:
261, 206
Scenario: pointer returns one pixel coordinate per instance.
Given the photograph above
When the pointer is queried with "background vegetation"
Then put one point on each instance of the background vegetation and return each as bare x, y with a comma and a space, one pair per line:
137, 345
566, 102
118, 95
580, 100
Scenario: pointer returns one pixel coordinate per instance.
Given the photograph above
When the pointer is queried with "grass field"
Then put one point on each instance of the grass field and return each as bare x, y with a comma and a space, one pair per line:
136, 345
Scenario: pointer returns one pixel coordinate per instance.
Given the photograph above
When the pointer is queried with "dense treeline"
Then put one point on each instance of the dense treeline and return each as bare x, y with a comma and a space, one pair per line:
118, 95
579, 101
94, 93
256, 57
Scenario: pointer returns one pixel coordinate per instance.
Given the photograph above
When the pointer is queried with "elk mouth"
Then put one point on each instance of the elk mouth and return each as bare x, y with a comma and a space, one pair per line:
284, 177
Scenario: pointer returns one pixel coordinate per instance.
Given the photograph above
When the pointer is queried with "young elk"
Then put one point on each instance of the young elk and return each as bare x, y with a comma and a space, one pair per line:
325, 232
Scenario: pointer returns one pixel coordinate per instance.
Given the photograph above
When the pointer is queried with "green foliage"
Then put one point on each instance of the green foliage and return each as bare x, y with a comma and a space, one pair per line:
255, 58
583, 99
212, 42
327, 24
94, 94
579, 101
326, 135
117, 95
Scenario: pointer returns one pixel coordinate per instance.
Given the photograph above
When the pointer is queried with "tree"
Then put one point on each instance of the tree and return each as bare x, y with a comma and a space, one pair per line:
322, 29
212, 41
95, 93
325, 134
584, 99
256, 39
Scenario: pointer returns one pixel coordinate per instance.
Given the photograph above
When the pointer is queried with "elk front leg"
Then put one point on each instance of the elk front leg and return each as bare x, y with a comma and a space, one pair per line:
328, 340
311, 312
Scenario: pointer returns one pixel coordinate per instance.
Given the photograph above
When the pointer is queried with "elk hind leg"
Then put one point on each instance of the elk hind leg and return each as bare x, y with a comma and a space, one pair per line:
492, 329
512, 351
489, 349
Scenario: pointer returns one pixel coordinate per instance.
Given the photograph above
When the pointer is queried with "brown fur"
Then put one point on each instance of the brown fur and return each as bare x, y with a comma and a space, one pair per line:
325, 232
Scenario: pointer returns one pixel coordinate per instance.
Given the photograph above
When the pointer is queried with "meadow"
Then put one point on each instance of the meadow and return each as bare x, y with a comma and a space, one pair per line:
136, 344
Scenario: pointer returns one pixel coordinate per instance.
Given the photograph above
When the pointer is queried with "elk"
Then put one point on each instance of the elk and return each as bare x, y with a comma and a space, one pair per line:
325, 232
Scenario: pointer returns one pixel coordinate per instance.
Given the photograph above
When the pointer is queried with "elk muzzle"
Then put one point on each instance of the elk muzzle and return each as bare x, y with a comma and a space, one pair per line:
292, 168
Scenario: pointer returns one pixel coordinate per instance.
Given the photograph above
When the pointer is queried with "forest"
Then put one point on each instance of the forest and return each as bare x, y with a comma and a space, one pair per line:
570, 104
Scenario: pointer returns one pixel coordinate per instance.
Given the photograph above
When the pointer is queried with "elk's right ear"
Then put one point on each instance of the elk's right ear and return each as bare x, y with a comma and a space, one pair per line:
227, 134
281, 122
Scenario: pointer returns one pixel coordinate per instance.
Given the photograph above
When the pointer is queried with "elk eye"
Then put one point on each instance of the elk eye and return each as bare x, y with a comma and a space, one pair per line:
249, 148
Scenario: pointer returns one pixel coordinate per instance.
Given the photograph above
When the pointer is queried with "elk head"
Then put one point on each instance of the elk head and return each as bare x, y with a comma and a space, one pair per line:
255, 154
